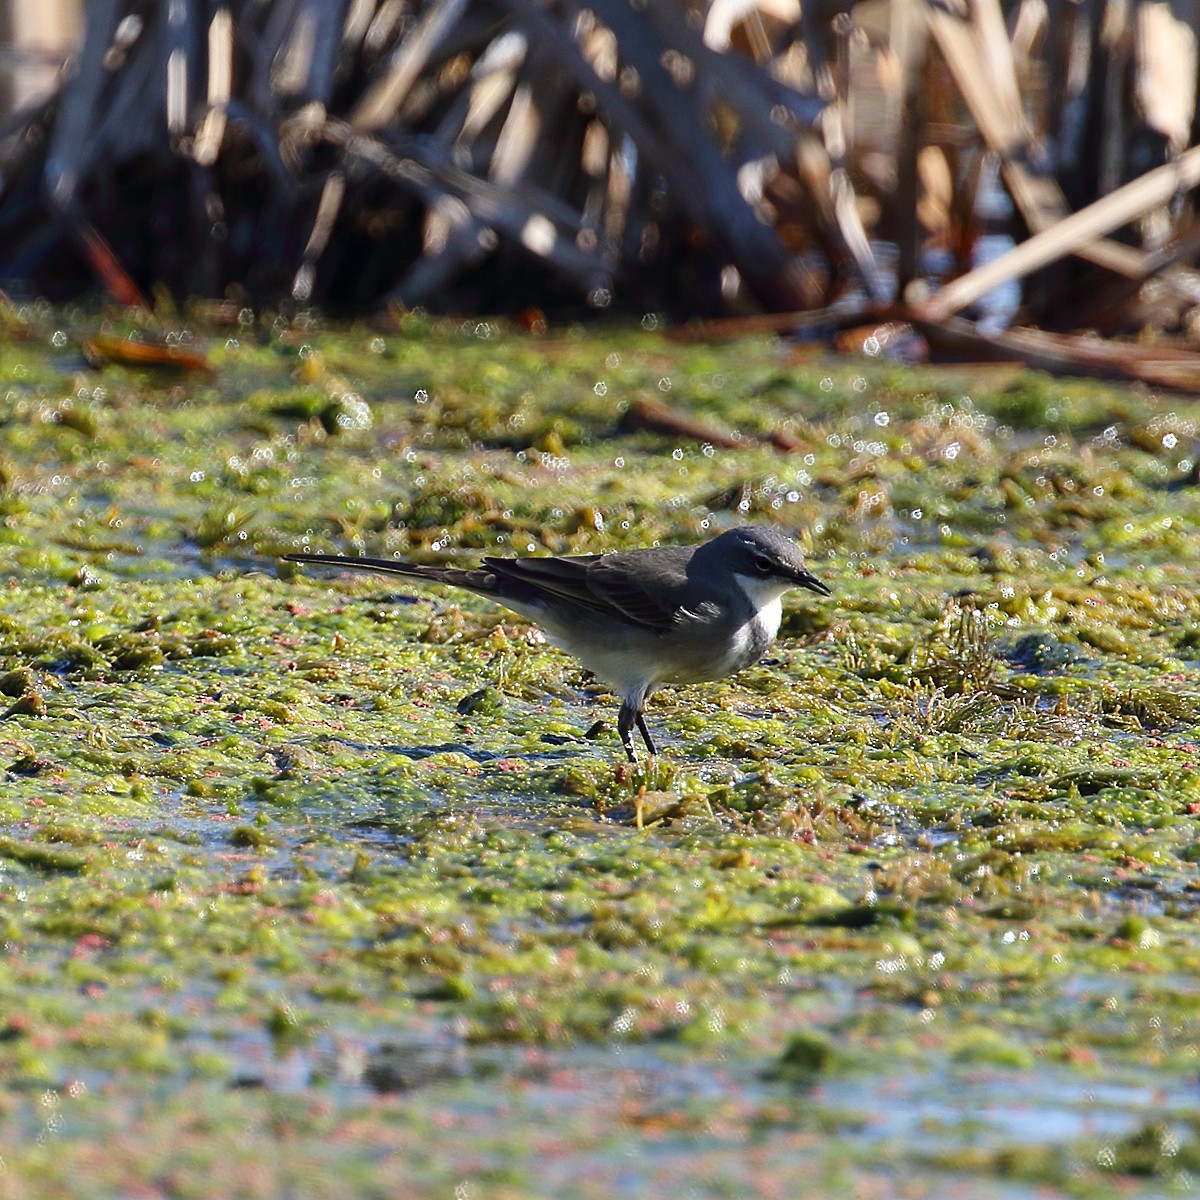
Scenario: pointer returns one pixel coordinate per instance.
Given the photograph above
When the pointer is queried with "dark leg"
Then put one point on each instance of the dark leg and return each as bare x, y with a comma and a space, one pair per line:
625, 720
641, 724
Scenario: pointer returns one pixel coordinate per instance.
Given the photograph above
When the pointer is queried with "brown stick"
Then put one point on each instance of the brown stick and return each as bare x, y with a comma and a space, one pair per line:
655, 417
1063, 355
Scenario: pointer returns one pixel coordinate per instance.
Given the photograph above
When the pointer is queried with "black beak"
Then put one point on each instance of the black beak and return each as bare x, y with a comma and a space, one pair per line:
806, 580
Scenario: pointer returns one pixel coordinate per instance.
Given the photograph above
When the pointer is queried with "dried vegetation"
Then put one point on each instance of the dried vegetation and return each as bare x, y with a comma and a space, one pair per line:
822, 166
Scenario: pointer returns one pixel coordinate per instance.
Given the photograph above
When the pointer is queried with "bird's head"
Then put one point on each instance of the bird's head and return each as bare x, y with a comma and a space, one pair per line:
767, 560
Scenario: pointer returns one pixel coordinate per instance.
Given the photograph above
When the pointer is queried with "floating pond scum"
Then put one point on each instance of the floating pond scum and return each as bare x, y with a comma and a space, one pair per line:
314, 887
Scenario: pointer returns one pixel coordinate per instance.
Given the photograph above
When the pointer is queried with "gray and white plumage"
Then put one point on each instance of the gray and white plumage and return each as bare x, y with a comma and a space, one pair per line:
640, 619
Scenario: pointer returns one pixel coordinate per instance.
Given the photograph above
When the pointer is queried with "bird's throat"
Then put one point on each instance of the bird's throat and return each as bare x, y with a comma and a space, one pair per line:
766, 602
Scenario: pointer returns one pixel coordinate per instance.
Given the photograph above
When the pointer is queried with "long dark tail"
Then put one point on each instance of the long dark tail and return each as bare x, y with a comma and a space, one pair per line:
476, 581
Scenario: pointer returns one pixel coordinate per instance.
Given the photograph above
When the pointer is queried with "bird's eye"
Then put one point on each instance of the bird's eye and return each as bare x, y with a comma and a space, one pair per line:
763, 565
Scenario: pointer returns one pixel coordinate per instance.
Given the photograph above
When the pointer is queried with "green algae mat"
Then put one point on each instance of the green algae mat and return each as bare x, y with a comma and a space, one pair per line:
312, 886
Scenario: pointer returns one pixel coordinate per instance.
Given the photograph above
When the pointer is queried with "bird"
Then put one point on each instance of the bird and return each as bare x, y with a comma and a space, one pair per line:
638, 619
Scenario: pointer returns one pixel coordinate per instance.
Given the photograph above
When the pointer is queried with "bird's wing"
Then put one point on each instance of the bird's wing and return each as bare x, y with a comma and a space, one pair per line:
565, 578
652, 602
605, 583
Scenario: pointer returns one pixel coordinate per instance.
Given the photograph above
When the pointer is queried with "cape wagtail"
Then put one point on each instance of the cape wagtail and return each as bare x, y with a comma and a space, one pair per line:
639, 619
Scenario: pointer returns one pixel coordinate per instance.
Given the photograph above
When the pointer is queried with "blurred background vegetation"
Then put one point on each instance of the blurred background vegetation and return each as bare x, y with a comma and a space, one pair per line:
694, 158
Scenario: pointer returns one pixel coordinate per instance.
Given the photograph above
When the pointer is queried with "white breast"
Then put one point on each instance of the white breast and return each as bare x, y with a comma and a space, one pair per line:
766, 595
